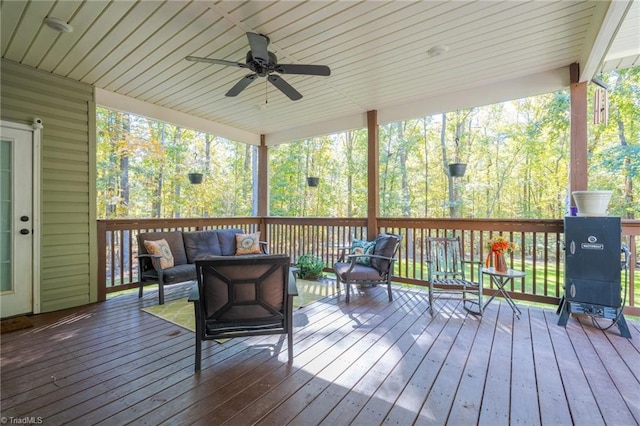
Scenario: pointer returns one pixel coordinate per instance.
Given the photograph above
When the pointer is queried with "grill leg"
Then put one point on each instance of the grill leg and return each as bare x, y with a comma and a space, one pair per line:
564, 313
622, 326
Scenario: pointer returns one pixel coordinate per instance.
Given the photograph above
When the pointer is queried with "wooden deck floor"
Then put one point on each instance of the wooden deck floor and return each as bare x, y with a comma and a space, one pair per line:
370, 362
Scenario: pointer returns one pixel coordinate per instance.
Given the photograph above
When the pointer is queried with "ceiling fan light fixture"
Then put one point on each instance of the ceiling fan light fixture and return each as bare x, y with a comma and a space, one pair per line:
437, 50
58, 24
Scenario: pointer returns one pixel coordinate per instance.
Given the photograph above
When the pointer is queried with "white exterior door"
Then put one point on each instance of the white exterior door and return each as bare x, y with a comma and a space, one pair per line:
16, 222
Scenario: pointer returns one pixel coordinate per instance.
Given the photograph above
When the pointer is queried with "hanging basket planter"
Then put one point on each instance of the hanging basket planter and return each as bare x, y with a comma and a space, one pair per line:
313, 181
457, 169
195, 178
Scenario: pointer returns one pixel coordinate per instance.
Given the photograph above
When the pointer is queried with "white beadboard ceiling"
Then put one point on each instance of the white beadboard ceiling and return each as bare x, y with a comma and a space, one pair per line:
133, 53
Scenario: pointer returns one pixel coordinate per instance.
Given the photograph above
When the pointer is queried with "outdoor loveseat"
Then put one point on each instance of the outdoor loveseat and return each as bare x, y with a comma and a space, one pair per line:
169, 257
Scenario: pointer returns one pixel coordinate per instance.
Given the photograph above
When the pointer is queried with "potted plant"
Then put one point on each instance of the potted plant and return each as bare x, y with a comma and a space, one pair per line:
313, 181
195, 178
457, 169
311, 266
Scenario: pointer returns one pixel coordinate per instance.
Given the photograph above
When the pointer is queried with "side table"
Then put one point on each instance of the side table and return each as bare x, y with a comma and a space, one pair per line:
501, 279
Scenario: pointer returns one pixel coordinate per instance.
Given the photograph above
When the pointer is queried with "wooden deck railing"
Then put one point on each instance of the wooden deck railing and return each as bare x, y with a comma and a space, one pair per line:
540, 241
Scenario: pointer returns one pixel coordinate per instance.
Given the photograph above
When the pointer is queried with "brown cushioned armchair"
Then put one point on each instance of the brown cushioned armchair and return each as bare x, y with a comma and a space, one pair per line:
350, 271
243, 296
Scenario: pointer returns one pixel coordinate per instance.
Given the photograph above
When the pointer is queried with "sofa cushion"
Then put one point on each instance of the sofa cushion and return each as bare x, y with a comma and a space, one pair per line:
385, 246
173, 238
179, 273
248, 243
161, 248
227, 240
201, 243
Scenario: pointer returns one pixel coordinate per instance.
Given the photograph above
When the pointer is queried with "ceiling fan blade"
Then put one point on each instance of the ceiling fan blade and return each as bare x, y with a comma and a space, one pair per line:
259, 43
241, 85
285, 87
303, 69
216, 61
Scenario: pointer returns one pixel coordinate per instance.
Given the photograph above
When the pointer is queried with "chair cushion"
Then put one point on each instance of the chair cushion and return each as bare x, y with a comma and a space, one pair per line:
174, 239
201, 243
179, 273
362, 247
227, 240
161, 248
256, 288
248, 244
385, 246
359, 272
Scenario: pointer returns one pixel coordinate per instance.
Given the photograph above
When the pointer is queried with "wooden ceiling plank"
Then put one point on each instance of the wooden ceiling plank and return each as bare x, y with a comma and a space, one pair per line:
11, 13
95, 30
46, 36
463, 47
182, 70
24, 35
85, 14
129, 31
145, 57
472, 37
147, 39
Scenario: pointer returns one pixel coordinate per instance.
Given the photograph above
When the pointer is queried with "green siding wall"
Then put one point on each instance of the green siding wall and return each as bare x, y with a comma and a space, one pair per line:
68, 240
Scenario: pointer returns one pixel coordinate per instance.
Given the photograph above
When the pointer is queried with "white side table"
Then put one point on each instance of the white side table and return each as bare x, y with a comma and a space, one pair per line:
501, 279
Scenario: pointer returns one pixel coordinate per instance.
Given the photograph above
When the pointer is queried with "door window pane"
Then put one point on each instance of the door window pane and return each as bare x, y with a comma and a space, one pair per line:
5, 214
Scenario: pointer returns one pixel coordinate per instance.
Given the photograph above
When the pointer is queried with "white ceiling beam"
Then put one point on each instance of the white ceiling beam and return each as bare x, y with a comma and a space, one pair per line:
611, 23
145, 109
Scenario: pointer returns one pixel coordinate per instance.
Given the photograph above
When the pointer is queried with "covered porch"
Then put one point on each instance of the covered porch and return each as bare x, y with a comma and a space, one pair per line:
130, 56
369, 362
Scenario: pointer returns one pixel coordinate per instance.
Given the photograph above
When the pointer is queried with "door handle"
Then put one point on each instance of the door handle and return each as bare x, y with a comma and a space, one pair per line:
24, 231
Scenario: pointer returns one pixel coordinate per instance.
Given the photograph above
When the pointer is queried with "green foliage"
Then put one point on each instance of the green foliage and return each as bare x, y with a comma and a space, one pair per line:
142, 169
310, 266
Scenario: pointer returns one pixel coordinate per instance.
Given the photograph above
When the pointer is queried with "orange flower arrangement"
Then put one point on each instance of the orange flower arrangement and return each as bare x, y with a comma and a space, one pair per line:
500, 244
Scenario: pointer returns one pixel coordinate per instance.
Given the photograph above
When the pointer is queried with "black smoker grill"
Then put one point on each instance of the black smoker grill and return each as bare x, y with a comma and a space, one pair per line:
592, 270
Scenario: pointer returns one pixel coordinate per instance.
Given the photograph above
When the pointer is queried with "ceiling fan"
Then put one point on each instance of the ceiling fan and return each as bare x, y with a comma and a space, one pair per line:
263, 63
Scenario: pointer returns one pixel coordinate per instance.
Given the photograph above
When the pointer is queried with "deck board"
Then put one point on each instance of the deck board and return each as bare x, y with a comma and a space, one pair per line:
551, 399
495, 409
582, 403
610, 402
466, 405
524, 390
369, 362
442, 393
373, 342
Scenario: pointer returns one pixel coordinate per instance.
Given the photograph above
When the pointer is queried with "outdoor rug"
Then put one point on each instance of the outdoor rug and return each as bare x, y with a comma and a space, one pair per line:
180, 311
